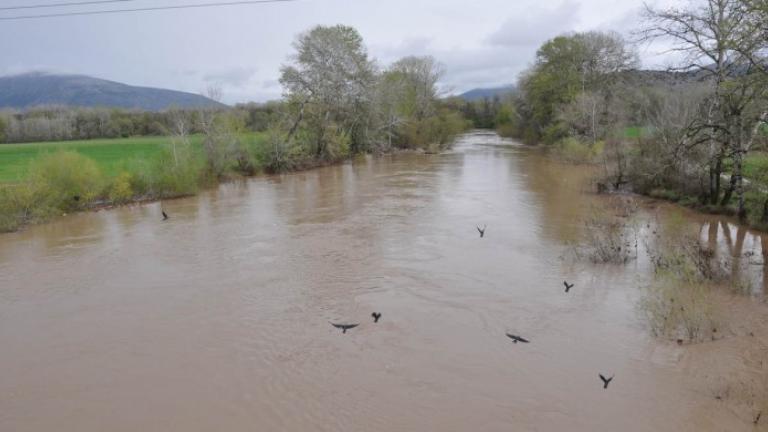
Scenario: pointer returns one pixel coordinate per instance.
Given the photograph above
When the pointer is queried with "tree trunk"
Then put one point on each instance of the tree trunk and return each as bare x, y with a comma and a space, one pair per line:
738, 165
729, 191
764, 217
714, 180
299, 118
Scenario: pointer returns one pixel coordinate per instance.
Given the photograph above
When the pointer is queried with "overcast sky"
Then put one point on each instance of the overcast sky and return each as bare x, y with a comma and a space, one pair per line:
482, 43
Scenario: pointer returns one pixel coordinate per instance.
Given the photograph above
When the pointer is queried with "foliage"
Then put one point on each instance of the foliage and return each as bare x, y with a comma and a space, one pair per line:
329, 84
68, 179
576, 151
120, 191
565, 67
22, 203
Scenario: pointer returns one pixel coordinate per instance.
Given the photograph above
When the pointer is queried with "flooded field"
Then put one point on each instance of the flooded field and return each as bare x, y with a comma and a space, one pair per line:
218, 319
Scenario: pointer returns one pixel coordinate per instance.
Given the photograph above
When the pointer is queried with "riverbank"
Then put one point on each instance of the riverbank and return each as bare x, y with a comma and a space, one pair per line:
607, 179
72, 179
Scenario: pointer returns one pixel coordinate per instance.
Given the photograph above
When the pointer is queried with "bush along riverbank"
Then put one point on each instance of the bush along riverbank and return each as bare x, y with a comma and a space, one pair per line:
338, 104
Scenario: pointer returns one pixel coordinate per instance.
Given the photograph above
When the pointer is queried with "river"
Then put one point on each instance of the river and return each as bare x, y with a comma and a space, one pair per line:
218, 319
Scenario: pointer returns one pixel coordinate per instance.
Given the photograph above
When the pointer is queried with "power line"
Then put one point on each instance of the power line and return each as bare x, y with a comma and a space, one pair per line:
54, 5
147, 9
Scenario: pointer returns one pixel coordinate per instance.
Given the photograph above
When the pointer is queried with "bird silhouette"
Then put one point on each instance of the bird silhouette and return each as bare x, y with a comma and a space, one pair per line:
567, 286
757, 419
606, 381
517, 339
165, 215
376, 316
344, 327
482, 231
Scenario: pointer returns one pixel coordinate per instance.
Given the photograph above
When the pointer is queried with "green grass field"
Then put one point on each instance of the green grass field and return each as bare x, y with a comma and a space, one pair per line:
109, 154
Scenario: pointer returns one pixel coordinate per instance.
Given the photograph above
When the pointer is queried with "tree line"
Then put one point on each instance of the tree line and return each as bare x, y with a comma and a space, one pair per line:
695, 132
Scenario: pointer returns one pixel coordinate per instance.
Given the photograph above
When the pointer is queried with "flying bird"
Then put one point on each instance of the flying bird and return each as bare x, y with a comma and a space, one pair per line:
567, 286
165, 215
376, 316
482, 231
517, 339
606, 381
344, 327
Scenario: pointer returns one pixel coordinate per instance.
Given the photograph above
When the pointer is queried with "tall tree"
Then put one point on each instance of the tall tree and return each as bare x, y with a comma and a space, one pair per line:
329, 84
566, 66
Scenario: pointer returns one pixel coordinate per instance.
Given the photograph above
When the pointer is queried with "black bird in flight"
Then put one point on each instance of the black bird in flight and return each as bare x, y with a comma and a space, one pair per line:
606, 381
376, 316
344, 327
165, 215
567, 286
482, 231
517, 339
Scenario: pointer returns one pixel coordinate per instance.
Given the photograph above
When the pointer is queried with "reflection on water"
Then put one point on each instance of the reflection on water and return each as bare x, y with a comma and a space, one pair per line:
218, 318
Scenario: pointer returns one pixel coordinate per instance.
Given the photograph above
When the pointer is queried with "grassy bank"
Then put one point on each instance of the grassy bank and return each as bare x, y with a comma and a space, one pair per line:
41, 180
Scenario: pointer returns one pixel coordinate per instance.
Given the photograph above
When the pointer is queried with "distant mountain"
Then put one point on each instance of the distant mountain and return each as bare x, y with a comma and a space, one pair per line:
482, 93
35, 89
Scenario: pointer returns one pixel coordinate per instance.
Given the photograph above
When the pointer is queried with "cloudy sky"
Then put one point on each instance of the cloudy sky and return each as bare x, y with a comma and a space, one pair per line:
482, 43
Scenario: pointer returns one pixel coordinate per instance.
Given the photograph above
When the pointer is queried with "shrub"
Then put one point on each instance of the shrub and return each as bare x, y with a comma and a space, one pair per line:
609, 239
23, 203
576, 151
678, 252
68, 179
679, 301
337, 144
433, 133
679, 309
247, 154
275, 153
178, 172
120, 192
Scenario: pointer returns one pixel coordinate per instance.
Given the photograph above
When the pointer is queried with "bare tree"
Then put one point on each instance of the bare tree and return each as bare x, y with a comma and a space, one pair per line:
180, 130
716, 44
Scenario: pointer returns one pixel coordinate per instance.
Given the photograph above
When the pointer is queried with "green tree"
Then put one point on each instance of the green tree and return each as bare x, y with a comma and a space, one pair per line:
329, 84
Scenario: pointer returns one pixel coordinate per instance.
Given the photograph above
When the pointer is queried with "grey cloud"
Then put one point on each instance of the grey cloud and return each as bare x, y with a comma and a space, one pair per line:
235, 77
487, 42
536, 25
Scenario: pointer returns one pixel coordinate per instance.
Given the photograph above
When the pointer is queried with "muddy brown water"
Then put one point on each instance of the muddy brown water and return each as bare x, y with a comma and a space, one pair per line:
218, 318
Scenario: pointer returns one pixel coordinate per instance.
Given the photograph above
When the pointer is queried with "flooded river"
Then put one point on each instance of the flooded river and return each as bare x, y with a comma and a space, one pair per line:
218, 319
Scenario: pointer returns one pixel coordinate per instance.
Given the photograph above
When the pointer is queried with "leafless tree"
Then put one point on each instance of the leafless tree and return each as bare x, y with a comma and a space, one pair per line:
717, 45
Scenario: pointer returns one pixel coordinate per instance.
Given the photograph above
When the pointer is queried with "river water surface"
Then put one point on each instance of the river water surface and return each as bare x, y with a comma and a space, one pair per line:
217, 319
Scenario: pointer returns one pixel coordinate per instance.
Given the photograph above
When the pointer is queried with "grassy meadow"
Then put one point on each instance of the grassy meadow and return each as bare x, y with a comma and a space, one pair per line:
110, 155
